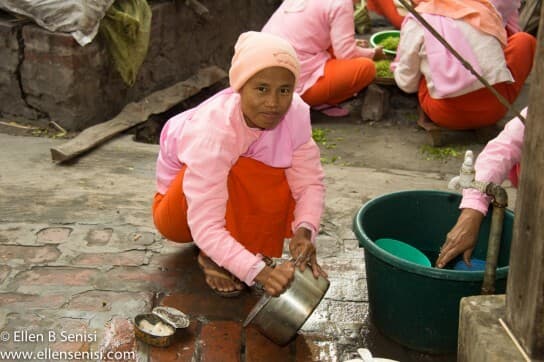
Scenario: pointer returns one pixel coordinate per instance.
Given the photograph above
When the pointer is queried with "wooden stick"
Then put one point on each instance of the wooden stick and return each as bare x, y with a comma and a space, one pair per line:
137, 112
513, 338
57, 126
15, 125
466, 64
198, 8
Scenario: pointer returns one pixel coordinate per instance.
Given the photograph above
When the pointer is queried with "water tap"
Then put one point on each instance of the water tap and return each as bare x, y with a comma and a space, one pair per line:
466, 174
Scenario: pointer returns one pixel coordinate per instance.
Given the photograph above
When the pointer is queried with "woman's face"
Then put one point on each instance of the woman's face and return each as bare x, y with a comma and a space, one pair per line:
266, 97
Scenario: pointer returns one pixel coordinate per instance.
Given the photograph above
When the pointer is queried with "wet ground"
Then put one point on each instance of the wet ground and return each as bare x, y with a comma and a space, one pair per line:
80, 254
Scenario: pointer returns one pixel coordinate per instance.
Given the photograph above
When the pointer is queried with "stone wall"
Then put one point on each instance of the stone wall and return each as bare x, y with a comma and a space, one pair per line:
47, 76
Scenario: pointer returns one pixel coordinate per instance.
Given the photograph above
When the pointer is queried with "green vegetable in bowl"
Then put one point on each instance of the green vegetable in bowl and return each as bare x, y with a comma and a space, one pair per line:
390, 43
383, 69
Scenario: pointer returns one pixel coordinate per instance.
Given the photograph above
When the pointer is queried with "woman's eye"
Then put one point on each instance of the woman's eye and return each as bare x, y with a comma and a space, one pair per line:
261, 89
285, 91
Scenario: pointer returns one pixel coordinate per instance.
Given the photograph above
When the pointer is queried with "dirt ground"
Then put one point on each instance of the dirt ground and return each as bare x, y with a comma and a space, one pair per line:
395, 142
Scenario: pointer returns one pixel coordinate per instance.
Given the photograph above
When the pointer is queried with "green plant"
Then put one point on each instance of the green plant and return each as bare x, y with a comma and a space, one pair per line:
383, 68
390, 43
319, 135
440, 153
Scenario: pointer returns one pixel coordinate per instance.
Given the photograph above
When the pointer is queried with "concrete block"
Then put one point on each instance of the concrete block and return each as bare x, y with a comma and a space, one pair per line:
23, 255
481, 336
375, 103
53, 235
50, 77
12, 102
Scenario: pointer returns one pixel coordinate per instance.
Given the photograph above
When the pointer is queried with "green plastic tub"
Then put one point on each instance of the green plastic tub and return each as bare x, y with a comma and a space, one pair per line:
380, 36
414, 305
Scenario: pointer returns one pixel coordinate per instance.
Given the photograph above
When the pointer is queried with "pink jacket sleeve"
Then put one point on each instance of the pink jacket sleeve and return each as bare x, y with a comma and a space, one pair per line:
305, 178
512, 25
495, 162
205, 187
342, 32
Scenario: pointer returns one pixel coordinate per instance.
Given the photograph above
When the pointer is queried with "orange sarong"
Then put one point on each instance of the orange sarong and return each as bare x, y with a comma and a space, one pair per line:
387, 9
481, 108
260, 208
341, 80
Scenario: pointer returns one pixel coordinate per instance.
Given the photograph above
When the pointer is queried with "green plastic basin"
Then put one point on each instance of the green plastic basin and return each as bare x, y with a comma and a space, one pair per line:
414, 305
377, 38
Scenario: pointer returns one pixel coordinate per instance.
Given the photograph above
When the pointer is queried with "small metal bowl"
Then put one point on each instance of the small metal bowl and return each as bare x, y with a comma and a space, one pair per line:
171, 317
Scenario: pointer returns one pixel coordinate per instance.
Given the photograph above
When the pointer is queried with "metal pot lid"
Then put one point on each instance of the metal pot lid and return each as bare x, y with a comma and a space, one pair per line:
172, 316
256, 309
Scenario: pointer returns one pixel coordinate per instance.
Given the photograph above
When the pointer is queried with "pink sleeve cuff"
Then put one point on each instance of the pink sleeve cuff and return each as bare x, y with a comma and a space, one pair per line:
254, 270
366, 52
474, 199
308, 226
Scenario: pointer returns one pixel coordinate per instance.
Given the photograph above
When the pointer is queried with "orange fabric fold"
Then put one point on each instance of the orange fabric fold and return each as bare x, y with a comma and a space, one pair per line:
260, 208
341, 80
481, 108
388, 9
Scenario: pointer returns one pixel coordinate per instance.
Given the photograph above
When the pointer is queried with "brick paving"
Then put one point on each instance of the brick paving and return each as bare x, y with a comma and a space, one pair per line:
79, 259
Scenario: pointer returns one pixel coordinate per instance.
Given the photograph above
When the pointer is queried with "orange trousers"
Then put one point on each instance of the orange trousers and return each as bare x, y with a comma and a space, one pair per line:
260, 208
387, 9
341, 80
481, 108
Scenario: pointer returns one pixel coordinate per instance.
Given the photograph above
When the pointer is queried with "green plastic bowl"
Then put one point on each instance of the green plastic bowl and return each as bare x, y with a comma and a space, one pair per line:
404, 251
380, 36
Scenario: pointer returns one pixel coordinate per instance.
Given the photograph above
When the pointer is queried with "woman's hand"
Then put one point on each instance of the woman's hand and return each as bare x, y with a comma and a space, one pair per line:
462, 238
304, 253
363, 43
379, 54
276, 280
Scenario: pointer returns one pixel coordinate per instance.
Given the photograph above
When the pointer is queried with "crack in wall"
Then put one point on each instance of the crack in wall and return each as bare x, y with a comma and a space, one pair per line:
21, 58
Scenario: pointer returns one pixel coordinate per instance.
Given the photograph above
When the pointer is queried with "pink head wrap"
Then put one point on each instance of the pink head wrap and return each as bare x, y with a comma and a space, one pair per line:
255, 51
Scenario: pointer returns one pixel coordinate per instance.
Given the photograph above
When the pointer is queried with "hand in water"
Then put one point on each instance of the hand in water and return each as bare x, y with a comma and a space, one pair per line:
462, 238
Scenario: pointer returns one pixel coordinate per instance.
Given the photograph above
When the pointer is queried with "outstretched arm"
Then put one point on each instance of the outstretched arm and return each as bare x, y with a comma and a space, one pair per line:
305, 178
492, 165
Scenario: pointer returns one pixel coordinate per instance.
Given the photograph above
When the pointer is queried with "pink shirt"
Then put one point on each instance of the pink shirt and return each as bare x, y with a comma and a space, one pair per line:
413, 54
312, 27
209, 139
495, 162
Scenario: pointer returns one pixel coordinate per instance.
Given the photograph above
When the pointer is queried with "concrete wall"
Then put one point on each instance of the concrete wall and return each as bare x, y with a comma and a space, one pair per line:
48, 76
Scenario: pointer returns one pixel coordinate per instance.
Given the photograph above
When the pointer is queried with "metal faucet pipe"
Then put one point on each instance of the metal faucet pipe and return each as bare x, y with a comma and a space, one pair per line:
500, 201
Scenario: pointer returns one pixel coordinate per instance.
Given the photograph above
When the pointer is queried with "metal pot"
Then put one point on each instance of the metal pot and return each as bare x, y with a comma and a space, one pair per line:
280, 318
